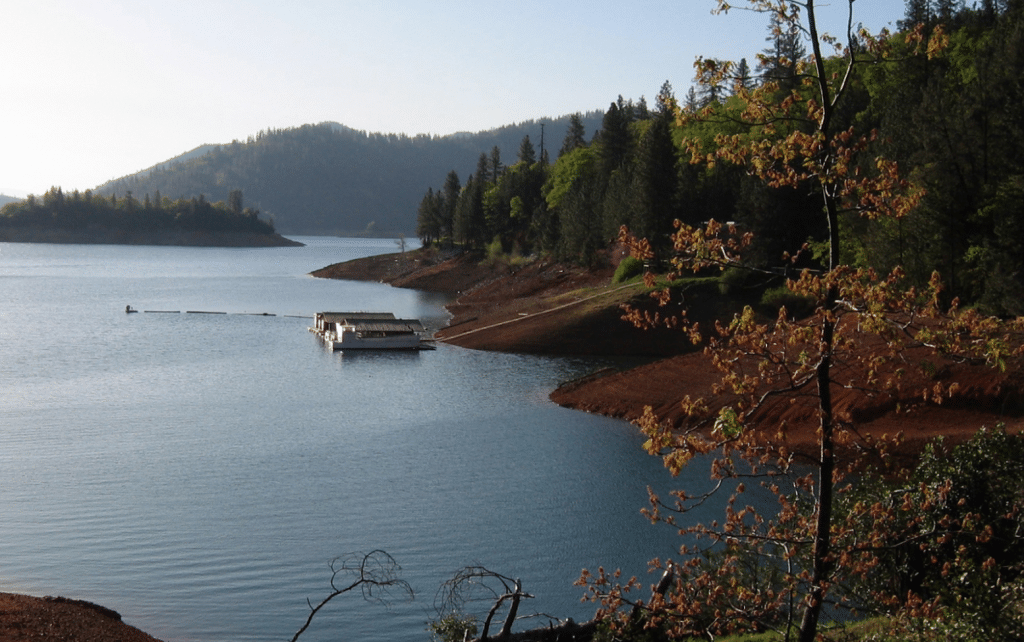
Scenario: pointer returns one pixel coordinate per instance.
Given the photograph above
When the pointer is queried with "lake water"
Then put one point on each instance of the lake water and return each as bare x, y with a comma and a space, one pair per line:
197, 472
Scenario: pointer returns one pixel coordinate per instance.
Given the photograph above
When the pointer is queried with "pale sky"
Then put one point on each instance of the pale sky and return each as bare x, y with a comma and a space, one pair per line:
98, 89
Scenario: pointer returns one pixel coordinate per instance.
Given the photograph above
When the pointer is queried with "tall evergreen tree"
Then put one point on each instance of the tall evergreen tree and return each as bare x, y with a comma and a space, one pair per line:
655, 180
692, 105
616, 138
779, 62
575, 135
527, 154
743, 78
917, 12
711, 88
428, 218
483, 168
450, 199
946, 10
496, 166
642, 112
469, 214
666, 100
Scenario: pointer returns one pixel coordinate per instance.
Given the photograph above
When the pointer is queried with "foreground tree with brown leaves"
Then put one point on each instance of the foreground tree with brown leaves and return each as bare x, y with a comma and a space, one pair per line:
778, 564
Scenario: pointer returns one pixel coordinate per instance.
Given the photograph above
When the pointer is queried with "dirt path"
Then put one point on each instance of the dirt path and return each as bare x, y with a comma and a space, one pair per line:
526, 316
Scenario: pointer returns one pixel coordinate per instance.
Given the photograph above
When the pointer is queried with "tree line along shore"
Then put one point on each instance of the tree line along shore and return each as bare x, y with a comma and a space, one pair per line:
78, 217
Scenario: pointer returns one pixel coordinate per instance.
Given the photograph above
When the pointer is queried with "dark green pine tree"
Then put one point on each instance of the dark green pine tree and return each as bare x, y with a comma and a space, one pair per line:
713, 91
469, 214
527, 154
428, 218
778, 63
917, 12
496, 166
692, 104
655, 182
616, 138
665, 101
614, 170
449, 201
742, 78
946, 10
641, 111
483, 168
575, 135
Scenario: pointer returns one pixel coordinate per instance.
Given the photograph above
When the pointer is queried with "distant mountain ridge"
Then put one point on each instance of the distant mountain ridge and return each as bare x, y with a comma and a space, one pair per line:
202, 150
334, 180
5, 199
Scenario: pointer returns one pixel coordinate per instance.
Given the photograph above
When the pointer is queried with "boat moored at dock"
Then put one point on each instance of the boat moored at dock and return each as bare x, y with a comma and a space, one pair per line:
369, 331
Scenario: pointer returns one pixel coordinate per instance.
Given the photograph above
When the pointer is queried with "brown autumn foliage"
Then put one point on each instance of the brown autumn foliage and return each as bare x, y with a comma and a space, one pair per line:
779, 562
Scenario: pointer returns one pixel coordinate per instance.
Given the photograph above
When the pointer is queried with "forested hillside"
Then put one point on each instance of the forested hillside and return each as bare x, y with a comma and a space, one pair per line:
949, 115
330, 179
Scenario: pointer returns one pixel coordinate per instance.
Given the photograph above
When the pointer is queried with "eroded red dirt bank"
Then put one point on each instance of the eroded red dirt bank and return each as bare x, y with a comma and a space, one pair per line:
548, 308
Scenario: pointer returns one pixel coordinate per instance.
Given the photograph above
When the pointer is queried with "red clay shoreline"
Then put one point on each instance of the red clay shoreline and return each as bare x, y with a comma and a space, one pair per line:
519, 309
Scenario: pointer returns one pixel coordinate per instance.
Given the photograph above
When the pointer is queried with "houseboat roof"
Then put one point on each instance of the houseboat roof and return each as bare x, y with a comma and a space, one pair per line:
385, 325
338, 317
371, 321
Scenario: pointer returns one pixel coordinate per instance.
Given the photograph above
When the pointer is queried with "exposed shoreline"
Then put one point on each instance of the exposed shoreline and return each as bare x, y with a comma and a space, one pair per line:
551, 309
539, 307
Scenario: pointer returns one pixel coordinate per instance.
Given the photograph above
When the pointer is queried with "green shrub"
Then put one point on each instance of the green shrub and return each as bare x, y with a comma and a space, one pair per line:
796, 305
628, 268
454, 627
955, 533
732, 279
495, 251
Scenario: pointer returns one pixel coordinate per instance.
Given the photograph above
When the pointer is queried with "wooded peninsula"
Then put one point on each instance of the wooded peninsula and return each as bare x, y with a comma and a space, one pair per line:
89, 218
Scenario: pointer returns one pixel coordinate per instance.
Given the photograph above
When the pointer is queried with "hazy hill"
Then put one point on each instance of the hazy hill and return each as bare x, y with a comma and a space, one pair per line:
331, 179
4, 200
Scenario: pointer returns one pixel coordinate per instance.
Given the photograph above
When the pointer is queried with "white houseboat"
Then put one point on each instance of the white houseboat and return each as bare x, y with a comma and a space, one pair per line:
369, 331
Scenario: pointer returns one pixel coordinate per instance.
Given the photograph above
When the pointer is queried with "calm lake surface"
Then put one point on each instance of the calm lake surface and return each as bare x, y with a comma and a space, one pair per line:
197, 472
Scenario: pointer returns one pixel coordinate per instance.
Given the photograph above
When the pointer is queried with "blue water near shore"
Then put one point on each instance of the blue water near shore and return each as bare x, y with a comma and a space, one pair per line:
197, 472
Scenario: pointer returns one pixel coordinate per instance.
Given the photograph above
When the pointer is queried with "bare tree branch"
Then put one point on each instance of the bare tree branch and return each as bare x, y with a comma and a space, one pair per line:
375, 574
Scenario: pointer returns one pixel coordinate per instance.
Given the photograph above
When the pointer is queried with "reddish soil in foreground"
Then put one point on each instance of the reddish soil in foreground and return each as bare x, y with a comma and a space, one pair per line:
24, 618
